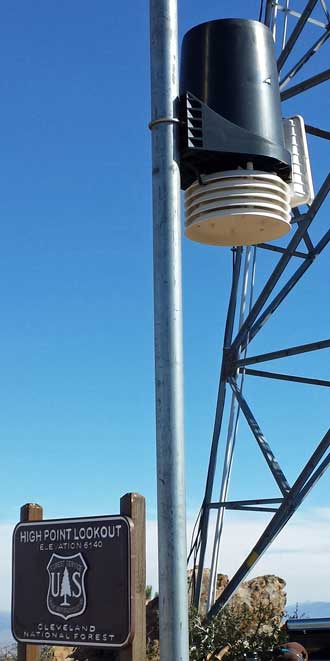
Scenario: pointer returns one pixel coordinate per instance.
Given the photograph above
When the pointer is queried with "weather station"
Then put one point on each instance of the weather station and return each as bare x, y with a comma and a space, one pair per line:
242, 168
221, 133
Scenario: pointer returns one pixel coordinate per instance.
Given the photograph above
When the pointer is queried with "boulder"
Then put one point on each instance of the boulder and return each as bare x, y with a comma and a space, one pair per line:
263, 591
59, 653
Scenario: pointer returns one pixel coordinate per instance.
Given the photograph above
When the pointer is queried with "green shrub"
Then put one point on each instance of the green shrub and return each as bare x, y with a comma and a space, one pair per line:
238, 628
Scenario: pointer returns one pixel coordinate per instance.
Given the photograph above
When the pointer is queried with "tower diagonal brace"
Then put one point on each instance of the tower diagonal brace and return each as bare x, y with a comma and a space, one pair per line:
295, 33
291, 502
245, 330
305, 58
288, 287
305, 85
273, 465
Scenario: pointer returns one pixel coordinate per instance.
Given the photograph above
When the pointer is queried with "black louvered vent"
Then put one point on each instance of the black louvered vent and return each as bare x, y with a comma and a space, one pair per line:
194, 121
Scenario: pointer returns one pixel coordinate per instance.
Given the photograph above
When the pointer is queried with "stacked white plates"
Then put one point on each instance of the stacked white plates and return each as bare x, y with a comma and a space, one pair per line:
237, 208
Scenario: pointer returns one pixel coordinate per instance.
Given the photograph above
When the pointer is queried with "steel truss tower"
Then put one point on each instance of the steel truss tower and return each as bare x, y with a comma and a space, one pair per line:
250, 317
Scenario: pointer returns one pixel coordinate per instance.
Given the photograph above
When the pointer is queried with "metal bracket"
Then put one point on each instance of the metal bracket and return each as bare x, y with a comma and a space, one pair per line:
163, 120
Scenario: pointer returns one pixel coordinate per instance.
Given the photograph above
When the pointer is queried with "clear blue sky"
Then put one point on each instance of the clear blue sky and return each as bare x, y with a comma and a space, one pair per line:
77, 419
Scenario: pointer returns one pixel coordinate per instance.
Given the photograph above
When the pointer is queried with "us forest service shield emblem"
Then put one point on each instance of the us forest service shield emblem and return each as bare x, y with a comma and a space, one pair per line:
66, 595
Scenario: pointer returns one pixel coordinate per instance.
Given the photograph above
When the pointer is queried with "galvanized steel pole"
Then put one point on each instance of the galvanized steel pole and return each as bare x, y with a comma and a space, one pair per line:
172, 550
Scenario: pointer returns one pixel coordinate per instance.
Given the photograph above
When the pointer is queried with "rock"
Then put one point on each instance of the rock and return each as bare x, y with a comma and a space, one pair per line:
262, 591
60, 653
222, 581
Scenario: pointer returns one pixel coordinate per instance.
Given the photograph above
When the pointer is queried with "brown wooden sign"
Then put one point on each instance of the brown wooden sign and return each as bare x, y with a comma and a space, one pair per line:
72, 582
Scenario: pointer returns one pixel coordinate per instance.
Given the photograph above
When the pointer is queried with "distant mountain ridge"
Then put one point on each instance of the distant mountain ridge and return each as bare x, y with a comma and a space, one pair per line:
309, 609
5, 629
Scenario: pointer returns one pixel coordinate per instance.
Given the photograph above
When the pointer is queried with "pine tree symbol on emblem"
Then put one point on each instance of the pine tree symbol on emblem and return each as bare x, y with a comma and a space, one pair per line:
65, 587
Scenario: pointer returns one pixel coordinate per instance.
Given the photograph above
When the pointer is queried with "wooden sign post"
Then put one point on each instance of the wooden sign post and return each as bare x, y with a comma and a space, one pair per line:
29, 512
133, 505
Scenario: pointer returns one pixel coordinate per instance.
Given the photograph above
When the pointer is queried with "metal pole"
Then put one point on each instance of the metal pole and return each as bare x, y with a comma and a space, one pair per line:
172, 549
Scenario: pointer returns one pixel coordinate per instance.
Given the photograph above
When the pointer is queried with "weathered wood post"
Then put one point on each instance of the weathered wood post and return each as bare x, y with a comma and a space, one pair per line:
133, 505
29, 512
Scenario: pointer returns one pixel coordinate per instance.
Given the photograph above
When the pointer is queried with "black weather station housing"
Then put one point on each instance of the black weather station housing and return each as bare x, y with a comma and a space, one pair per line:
231, 123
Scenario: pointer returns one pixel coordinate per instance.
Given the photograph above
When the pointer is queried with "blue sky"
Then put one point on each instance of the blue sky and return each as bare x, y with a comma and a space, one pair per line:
77, 422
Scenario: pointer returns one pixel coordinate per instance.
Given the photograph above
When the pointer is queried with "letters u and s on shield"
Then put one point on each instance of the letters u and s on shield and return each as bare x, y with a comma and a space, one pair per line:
66, 595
